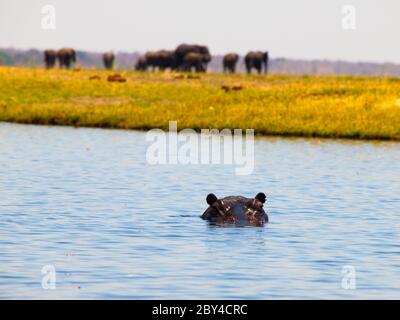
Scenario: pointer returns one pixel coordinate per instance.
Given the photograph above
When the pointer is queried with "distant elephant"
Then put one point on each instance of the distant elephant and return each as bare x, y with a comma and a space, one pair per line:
162, 59
195, 60
50, 57
141, 64
182, 50
229, 62
256, 60
66, 56
108, 60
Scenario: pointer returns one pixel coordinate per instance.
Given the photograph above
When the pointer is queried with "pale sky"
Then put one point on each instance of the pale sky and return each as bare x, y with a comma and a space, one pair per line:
303, 29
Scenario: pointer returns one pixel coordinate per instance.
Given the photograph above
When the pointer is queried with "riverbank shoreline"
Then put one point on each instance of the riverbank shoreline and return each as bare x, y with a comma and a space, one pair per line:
256, 135
365, 108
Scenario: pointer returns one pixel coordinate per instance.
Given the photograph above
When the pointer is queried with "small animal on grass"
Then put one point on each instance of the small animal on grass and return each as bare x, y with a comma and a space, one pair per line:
95, 77
116, 78
179, 77
236, 210
235, 87
186, 76
193, 77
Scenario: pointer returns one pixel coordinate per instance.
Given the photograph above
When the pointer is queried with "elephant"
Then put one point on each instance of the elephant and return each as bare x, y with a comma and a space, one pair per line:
195, 60
256, 60
108, 60
182, 50
167, 60
236, 210
50, 57
162, 59
229, 62
66, 56
141, 64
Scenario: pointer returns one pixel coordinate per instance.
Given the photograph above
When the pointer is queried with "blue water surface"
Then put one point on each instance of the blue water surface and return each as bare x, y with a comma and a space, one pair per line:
86, 202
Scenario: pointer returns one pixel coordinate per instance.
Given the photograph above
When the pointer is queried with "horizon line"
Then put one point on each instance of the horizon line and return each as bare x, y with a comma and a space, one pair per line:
217, 55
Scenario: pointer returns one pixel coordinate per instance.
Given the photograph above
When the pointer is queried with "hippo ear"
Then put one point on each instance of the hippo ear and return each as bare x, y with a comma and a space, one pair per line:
211, 199
261, 197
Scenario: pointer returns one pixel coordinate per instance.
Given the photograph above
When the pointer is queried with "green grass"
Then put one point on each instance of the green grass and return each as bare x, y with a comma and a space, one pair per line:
339, 107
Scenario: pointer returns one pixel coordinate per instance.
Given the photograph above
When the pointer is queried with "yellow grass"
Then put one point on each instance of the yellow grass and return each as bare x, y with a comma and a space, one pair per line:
341, 107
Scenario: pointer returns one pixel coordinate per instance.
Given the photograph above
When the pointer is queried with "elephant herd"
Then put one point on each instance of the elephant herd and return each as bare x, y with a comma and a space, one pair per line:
65, 57
186, 57
253, 60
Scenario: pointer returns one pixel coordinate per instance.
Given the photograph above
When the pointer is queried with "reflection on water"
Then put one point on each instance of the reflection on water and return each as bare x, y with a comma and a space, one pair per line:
86, 202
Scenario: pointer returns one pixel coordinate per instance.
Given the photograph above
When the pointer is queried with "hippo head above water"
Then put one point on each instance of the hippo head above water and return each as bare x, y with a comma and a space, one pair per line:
236, 210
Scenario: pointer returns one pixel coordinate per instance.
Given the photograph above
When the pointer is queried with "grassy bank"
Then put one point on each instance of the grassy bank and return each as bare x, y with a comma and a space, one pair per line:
345, 107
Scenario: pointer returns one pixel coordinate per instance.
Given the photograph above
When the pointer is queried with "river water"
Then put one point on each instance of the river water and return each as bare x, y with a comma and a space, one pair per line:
85, 204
